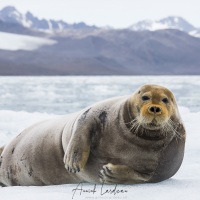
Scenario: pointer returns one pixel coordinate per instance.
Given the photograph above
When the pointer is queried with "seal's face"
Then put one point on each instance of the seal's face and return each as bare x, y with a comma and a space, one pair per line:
155, 105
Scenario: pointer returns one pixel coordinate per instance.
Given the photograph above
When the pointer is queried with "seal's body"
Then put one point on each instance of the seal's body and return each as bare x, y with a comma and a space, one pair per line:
132, 139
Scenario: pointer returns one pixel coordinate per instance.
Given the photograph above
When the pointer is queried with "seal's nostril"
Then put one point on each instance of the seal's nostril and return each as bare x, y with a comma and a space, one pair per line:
155, 109
152, 109
158, 109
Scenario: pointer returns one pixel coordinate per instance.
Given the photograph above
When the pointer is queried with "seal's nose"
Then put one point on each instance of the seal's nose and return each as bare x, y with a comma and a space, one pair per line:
156, 110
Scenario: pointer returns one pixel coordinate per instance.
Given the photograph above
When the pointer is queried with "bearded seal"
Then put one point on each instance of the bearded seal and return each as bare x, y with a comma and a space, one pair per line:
131, 139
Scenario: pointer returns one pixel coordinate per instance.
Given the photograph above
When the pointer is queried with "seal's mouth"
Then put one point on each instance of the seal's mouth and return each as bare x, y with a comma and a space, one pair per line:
153, 125
152, 130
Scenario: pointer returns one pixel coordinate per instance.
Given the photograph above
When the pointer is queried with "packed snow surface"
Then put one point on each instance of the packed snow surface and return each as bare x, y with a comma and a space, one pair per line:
75, 93
22, 42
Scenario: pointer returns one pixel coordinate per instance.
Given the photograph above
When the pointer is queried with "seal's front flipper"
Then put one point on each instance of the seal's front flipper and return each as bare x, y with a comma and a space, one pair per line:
78, 149
77, 155
121, 174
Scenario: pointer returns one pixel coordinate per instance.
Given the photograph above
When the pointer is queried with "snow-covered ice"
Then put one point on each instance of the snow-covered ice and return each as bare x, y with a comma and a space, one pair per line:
22, 42
184, 185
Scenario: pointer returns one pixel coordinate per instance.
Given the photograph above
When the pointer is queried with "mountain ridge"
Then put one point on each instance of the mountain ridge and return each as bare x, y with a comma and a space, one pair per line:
38, 47
171, 22
10, 14
163, 52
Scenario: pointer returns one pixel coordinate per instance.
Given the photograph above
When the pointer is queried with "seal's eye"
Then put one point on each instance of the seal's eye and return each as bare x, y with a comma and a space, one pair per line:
165, 100
145, 98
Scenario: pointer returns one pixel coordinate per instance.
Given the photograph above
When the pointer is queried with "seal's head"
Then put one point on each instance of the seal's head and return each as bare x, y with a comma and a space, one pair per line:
154, 107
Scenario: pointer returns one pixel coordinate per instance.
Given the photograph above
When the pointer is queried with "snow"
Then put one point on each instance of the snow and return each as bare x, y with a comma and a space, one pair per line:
25, 22
17, 121
50, 25
60, 26
166, 23
16, 14
185, 184
71, 91
21, 18
22, 42
151, 26
168, 190
158, 26
195, 33
176, 19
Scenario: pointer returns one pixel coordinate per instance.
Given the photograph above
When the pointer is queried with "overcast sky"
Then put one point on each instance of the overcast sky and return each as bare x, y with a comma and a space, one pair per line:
116, 13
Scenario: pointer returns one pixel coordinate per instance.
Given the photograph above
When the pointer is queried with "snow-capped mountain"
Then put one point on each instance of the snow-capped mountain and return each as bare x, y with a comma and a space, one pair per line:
10, 14
172, 22
195, 33
177, 23
26, 22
